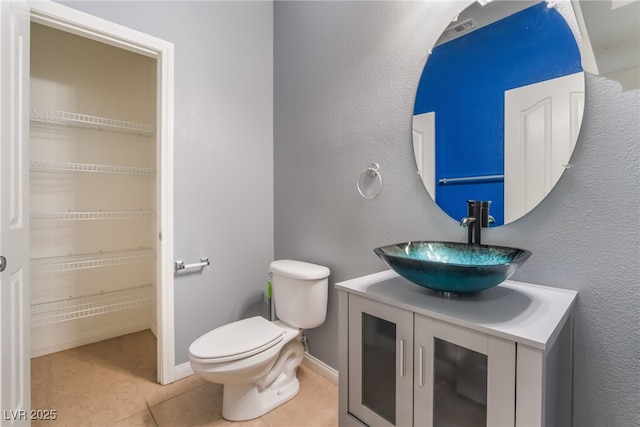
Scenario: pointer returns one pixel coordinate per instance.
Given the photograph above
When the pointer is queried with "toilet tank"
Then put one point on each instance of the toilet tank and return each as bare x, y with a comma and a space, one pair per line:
300, 292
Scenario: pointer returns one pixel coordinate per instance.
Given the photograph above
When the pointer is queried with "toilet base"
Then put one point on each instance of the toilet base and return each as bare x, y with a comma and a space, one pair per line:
242, 402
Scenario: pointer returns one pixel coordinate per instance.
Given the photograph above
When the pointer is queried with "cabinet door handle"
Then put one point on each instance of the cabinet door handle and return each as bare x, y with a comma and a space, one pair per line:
421, 366
402, 367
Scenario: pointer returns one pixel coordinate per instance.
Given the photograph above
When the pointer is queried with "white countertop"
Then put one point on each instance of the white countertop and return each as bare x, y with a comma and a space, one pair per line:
527, 314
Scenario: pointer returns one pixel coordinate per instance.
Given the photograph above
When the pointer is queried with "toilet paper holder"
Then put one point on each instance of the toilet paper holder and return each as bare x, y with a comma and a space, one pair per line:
180, 265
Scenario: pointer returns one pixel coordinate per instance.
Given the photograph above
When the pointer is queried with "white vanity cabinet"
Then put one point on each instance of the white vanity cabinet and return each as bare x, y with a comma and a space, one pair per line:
409, 356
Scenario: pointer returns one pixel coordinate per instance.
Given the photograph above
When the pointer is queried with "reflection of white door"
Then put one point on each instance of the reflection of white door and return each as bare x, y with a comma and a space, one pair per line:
14, 290
540, 131
424, 148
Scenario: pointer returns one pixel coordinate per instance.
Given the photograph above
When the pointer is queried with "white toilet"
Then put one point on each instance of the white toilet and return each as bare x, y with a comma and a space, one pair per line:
255, 359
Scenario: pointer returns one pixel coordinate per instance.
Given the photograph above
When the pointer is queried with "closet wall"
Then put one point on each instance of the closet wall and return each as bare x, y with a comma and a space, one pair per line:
93, 191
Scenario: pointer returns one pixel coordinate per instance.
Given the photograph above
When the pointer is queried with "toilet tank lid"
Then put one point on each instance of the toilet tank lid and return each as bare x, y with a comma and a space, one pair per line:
298, 269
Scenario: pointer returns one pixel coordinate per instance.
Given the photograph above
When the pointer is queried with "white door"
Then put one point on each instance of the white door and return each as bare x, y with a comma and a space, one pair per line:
424, 149
14, 290
541, 127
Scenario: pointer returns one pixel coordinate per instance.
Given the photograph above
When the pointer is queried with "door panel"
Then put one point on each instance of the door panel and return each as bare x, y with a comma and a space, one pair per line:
462, 377
380, 363
541, 128
14, 289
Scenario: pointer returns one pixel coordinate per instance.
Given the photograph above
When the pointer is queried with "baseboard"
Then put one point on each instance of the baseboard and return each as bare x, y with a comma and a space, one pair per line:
184, 370
321, 368
154, 328
65, 343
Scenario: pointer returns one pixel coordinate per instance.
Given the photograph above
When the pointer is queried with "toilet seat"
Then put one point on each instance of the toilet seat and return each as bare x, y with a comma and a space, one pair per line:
237, 340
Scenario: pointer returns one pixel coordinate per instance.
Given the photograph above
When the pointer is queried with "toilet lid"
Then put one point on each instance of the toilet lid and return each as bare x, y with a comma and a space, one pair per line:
237, 340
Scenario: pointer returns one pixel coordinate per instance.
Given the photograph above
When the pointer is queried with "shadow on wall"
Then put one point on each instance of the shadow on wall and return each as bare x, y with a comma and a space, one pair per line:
255, 304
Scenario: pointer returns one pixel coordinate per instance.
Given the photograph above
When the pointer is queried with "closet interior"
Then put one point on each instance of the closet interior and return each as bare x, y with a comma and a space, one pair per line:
92, 191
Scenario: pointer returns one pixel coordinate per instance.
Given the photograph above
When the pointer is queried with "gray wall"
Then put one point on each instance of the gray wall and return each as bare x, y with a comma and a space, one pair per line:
223, 151
345, 80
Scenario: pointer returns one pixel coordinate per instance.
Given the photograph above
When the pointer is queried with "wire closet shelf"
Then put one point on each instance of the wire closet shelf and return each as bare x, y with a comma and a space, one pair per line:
44, 166
66, 118
94, 260
90, 215
52, 312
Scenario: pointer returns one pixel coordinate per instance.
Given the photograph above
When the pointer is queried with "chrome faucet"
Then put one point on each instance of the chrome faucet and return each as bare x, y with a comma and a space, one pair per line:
477, 217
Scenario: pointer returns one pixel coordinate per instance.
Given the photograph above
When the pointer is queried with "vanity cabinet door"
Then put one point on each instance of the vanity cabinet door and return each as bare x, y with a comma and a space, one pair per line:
462, 377
380, 363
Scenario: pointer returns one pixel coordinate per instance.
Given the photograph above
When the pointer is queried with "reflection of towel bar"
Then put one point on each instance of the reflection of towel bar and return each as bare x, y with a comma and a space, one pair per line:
471, 179
180, 265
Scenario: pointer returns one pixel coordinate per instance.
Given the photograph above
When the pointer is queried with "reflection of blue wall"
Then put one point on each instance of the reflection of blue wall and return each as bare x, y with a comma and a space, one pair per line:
464, 82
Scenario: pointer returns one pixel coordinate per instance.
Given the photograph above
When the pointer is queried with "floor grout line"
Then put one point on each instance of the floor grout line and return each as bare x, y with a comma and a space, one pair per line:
155, 422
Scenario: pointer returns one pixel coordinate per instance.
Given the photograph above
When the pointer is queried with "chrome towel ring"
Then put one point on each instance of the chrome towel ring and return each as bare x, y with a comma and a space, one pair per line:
370, 181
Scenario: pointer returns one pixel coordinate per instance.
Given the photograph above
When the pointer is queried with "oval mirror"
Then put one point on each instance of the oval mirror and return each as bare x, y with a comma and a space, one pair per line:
498, 108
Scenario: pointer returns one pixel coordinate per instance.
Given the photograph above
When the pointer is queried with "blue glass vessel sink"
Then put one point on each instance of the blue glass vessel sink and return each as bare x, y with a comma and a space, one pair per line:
453, 267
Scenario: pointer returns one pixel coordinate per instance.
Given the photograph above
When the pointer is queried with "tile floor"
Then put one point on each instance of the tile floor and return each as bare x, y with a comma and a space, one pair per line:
113, 383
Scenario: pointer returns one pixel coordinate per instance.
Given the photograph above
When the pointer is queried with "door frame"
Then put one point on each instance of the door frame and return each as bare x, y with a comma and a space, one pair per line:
82, 24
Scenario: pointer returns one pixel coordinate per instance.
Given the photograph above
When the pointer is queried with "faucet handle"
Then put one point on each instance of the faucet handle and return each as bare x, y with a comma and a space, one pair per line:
467, 221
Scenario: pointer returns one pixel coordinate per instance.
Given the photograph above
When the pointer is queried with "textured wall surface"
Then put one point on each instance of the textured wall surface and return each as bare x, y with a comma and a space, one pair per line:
223, 151
345, 81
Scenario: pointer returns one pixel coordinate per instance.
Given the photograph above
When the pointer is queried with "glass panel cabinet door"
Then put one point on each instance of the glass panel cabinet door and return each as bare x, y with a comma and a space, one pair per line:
380, 363
462, 377
459, 386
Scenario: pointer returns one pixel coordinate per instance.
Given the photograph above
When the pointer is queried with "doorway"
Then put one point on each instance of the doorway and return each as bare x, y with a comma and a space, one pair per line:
145, 50
16, 171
